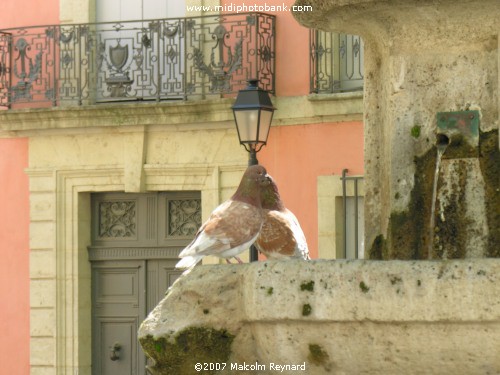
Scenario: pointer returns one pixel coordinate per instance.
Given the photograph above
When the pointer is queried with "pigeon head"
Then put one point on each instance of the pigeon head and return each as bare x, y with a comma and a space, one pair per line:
253, 181
270, 197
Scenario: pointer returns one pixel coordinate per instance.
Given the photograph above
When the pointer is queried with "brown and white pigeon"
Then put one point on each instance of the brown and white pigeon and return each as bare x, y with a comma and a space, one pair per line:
281, 236
233, 226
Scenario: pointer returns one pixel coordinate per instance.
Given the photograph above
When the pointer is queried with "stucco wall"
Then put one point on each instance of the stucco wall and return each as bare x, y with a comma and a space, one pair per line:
14, 252
14, 215
29, 13
292, 48
297, 155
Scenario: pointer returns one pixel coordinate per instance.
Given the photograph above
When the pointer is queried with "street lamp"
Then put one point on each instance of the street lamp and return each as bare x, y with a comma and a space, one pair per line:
253, 113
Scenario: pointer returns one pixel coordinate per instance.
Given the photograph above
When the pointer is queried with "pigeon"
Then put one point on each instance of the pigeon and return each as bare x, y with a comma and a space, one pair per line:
281, 236
233, 226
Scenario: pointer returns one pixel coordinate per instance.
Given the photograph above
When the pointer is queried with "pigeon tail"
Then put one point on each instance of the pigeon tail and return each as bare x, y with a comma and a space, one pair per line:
188, 262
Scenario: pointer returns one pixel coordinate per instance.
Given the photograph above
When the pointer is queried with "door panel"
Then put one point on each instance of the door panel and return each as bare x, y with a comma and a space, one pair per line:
161, 275
179, 218
136, 239
118, 290
124, 220
119, 349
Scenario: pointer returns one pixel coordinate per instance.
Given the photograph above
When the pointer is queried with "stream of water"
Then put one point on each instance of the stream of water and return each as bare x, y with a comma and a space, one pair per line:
441, 147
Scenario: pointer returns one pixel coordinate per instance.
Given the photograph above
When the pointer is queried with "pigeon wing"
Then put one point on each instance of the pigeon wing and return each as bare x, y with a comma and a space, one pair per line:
230, 225
281, 236
302, 249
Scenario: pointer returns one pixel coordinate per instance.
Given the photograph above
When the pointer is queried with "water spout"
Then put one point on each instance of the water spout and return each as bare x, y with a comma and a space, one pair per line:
442, 141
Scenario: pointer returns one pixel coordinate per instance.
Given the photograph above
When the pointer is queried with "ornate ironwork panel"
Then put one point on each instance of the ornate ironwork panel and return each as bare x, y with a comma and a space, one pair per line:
5, 43
138, 60
117, 219
336, 62
184, 217
29, 56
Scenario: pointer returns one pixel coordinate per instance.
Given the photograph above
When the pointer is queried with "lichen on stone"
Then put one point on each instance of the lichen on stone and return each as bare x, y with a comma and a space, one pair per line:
179, 353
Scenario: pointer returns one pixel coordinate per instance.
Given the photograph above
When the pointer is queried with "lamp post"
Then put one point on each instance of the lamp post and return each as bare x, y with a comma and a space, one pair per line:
253, 113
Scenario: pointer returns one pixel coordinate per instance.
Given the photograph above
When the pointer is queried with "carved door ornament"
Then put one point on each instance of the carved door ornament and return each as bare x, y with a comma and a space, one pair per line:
117, 219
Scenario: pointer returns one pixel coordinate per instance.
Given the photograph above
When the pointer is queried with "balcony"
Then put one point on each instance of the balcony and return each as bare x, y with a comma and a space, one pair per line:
147, 60
336, 62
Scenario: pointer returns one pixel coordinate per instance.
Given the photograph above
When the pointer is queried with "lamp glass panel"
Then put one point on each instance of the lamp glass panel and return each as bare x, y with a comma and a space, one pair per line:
247, 121
265, 124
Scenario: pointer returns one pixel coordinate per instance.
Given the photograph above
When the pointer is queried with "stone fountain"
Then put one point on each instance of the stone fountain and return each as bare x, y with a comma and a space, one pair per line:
432, 191
424, 58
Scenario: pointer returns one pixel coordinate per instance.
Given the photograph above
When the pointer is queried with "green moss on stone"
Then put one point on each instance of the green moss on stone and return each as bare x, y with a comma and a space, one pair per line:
270, 290
451, 233
318, 356
415, 131
460, 148
178, 354
408, 231
378, 248
395, 280
489, 161
306, 309
364, 288
309, 286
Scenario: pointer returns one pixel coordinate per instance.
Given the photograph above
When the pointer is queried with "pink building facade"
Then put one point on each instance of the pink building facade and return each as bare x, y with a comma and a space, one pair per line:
312, 136
14, 218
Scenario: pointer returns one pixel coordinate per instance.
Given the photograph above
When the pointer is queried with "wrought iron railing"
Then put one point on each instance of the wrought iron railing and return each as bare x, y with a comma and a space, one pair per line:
157, 59
336, 62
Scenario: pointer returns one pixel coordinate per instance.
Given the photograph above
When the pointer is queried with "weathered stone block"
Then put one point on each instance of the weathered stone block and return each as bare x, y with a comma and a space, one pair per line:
413, 316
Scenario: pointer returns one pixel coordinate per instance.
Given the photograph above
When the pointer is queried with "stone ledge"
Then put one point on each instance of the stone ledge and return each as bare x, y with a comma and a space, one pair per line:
181, 115
116, 115
346, 310
336, 96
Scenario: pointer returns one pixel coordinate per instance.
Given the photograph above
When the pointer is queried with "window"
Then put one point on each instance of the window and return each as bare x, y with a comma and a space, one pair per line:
336, 62
341, 217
